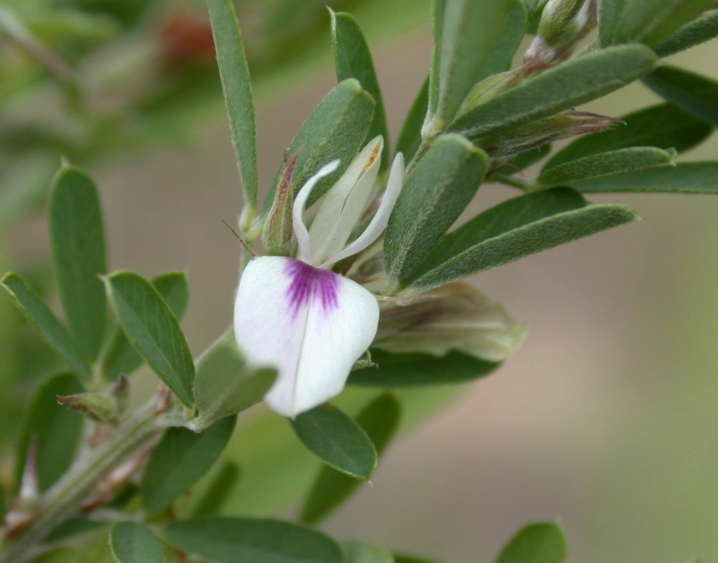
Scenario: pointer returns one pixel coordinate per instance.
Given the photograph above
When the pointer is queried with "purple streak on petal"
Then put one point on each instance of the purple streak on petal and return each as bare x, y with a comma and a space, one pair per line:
310, 283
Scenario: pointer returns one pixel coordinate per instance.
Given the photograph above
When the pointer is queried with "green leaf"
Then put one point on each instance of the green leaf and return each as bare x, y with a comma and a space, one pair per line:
180, 459
237, 88
264, 442
696, 94
418, 370
121, 357
565, 86
609, 14
473, 252
437, 29
477, 40
224, 384
54, 431
50, 328
664, 126
78, 248
361, 552
410, 134
651, 21
687, 178
153, 330
605, 164
244, 540
435, 193
407, 559
380, 420
133, 543
336, 128
500, 219
216, 493
694, 33
529, 158
542, 542
60, 555
3, 503
337, 440
353, 60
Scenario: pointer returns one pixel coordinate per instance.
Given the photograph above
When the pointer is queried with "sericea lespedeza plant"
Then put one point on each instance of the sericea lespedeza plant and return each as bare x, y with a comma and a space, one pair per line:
367, 291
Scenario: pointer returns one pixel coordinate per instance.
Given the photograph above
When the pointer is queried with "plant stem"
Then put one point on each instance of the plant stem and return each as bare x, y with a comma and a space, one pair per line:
65, 497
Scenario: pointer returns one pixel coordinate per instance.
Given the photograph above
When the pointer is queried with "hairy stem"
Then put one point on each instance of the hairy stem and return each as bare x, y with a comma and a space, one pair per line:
65, 497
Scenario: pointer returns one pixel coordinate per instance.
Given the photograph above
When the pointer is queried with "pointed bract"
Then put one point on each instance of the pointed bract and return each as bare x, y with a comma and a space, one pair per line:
309, 324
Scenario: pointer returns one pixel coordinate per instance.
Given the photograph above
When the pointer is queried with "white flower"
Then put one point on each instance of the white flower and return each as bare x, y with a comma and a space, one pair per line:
298, 316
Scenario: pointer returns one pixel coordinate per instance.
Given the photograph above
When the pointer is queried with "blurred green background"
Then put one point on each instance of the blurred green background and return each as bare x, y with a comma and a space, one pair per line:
606, 419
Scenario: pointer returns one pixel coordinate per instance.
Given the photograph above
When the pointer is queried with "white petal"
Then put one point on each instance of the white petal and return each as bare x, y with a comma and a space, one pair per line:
309, 324
381, 218
300, 230
344, 203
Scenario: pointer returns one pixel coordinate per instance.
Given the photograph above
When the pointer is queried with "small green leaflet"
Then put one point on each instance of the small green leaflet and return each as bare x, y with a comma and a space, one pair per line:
237, 88
651, 21
43, 319
687, 178
691, 92
408, 559
499, 235
218, 490
565, 86
180, 459
336, 129
353, 60
153, 330
121, 357
224, 384
478, 40
362, 552
3, 503
134, 543
410, 135
542, 542
609, 14
605, 164
700, 30
663, 126
78, 248
338, 441
435, 193
248, 540
419, 370
380, 420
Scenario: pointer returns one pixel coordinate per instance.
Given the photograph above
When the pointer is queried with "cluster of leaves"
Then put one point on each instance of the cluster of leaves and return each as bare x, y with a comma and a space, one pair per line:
452, 138
114, 78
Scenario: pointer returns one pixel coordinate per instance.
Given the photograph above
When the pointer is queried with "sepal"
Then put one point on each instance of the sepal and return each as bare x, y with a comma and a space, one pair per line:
95, 406
277, 229
453, 317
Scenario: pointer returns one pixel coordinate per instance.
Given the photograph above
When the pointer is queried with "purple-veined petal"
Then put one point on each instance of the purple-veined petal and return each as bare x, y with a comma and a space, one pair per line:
381, 218
344, 203
309, 324
300, 229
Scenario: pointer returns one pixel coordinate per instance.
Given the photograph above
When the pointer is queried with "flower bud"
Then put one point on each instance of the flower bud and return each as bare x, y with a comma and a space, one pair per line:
95, 406
557, 20
563, 125
453, 317
563, 23
277, 230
